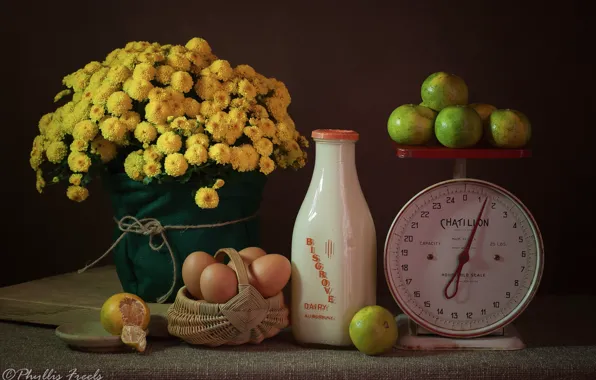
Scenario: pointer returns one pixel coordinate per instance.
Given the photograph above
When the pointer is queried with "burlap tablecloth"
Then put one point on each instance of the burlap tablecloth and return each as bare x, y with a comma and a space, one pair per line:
560, 333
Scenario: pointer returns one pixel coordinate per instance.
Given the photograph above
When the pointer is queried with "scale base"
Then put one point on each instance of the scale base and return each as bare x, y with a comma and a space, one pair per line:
409, 339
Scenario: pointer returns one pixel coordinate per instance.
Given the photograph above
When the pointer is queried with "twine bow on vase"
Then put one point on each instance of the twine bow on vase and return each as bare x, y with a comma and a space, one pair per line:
152, 227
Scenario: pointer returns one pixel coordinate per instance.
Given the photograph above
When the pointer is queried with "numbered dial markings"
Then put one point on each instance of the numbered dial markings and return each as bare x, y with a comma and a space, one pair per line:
432, 230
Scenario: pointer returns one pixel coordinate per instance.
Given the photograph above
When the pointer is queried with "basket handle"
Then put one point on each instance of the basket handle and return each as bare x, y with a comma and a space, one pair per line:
238, 262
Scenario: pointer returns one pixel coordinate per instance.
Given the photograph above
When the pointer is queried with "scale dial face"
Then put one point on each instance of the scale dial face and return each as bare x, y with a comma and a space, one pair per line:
425, 243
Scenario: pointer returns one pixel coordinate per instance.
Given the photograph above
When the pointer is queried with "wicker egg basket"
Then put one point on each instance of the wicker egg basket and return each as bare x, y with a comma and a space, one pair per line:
246, 318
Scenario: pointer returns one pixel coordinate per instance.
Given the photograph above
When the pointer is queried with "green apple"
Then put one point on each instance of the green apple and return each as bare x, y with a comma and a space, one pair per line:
411, 124
458, 127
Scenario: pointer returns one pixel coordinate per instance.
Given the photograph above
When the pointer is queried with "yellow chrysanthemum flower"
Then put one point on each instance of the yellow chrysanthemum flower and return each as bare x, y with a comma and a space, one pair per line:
293, 151
158, 94
267, 126
103, 92
199, 45
207, 197
181, 81
220, 153
242, 103
118, 103
164, 74
133, 165
79, 145
55, 131
131, 119
77, 193
281, 92
151, 153
208, 109
169, 143
303, 142
191, 107
112, 129
62, 94
151, 168
221, 99
245, 71
218, 126
198, 138
175, 164
262, 84
157, 112
221, 69
178, 61
218, 184
231, 85
254, 133
96, 113
207, 86
163, 128
56, 152
252, 156
75, 179
195, 59
266, 165
285, 132
144, 71
239, 159
79, 162
276, 108
85, 130
145, 132
97, 77
77, 80
36, 157
196, 154
92, 67
186, 126
118, 74
246, 89
138, 89
259, 111
234, 133
105, 149
40, 183
44, 122
264, 147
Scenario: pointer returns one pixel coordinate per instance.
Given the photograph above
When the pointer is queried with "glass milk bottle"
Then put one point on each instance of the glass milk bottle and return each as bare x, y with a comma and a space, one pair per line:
334, 251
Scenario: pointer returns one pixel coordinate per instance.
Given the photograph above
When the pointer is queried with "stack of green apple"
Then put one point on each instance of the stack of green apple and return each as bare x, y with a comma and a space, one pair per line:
446, 116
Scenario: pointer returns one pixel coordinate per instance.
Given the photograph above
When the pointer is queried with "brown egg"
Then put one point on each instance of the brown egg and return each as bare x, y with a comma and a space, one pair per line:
249, 255
219, 283
192, 268
269, 274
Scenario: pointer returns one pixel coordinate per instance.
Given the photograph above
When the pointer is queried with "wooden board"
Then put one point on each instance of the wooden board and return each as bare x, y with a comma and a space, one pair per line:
70, 297
440, 152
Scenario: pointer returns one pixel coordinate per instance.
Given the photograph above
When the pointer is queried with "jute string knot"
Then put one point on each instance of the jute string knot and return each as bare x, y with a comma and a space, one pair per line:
152, 227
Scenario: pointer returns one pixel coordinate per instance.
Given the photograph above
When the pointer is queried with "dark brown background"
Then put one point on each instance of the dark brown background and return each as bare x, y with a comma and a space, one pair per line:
346, 66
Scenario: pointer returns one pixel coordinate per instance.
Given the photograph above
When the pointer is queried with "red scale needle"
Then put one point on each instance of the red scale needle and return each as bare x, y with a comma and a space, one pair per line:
464, 256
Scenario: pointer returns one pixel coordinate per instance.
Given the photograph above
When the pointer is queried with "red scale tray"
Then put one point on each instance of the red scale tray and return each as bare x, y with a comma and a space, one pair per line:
408, 151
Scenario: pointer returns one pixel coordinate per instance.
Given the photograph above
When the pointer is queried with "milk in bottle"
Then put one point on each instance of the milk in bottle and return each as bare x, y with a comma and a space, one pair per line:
334, 247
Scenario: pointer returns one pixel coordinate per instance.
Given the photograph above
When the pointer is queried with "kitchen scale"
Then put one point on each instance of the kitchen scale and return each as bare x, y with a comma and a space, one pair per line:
463, 258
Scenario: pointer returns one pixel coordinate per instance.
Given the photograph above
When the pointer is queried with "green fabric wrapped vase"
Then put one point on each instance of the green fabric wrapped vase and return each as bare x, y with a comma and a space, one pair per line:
149, 273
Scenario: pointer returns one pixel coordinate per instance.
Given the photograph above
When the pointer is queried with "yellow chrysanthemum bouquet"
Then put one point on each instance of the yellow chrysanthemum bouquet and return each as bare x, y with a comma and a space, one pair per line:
184, 142
169, 113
